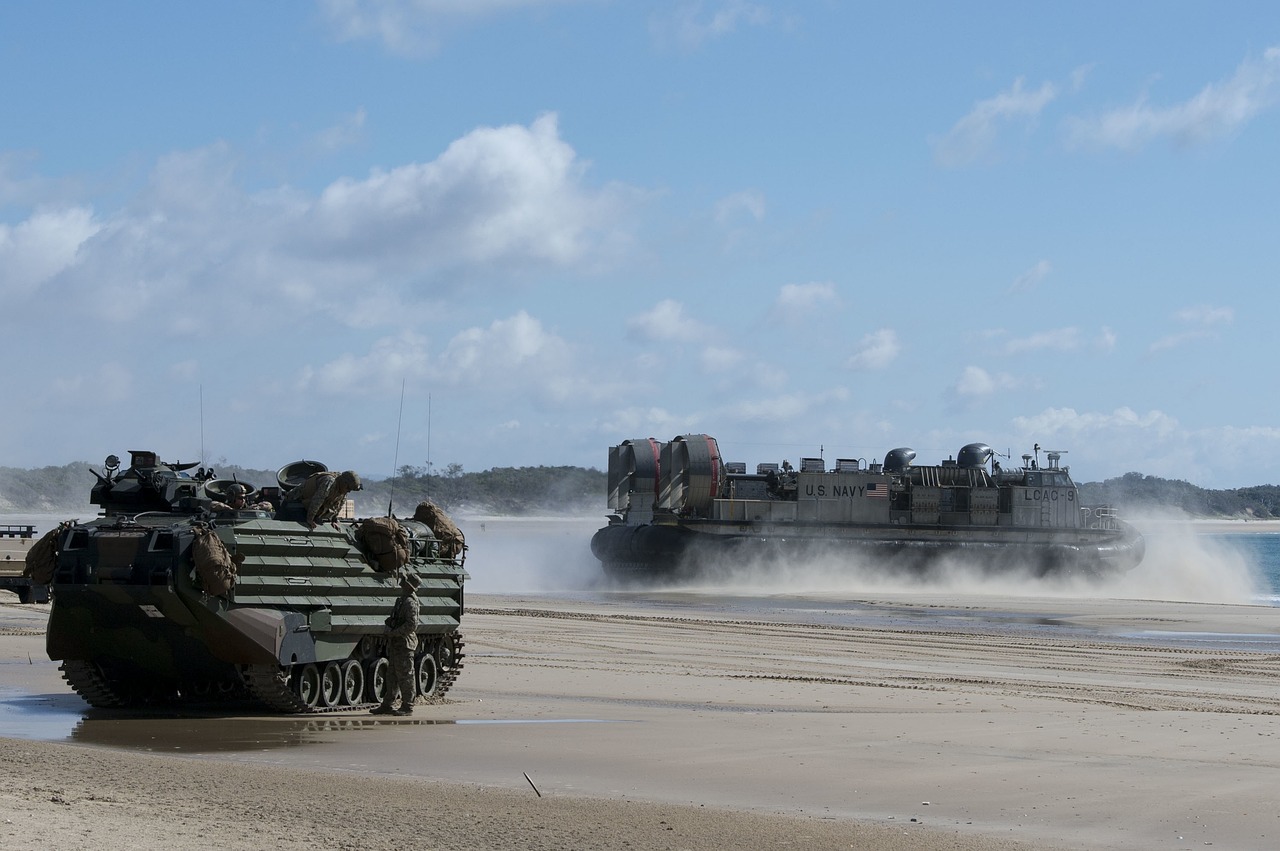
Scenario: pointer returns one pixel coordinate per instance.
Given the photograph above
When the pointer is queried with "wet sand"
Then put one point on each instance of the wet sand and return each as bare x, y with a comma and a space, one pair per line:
687, 720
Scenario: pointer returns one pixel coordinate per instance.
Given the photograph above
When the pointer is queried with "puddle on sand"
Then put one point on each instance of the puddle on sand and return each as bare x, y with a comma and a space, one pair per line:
54, 717
42, 717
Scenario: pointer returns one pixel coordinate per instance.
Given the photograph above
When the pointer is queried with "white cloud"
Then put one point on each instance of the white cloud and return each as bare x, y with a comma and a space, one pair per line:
666, 322
520, 357
414, 27
104, 383
1061, 339
798, 302
1207, 314
786, 408
499, 195
693, 23
511, 357
1173, 341
876, 350
973, 136
1204, 315
35, 250
975, 383
498, 204
389, 362
720, 358
748, 201
1218, 110
1058, 421
1030, 278
17, 186
344, 134
631, 422
1153, 443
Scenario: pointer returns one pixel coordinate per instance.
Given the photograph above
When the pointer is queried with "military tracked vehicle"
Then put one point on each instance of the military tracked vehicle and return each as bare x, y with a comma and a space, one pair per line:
678, 507
295, 620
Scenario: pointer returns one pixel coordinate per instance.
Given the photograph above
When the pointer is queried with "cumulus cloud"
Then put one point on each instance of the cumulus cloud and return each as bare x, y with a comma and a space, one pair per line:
975, 384
1060, 339
1069, 421
720, 358
1217, 111
648, 421
498, 195
1151, 442
342, 135
389, 361
693, 23
499, 203
798, 302
748, 201
972, 137
413, 27
35, 250
1207, 314
102, 383
785, 408
876, 350
19, 186
667, 321
1204, 317
1030, 278
516, 355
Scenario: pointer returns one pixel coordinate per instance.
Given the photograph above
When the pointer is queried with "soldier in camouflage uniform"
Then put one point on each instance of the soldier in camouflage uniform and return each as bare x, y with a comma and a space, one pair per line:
323, 494
402, 629
237, 500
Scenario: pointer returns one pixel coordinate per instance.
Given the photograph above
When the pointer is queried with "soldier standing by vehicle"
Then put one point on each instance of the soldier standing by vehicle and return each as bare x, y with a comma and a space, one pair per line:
402, 641
323, 495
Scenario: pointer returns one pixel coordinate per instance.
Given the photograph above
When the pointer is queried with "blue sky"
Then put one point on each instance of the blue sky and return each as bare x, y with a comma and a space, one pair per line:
516, 232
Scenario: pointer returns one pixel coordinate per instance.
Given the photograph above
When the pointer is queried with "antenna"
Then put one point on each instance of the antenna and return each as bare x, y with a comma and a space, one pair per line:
428, 446
396, 459
203, 460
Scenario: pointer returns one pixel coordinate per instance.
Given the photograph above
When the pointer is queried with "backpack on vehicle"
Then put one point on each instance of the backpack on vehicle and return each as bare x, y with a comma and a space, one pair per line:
215, 565
42, 558
384, 543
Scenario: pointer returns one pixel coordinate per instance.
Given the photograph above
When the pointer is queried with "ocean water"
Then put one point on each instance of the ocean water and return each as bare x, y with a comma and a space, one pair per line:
1261, 550
552, 555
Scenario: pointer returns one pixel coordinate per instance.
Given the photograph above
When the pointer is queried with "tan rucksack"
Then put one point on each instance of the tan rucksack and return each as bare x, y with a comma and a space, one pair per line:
214, 563
384, 542
42, 558
442, 526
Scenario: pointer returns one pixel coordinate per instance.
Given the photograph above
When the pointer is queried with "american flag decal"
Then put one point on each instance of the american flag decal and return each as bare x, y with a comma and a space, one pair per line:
879, 490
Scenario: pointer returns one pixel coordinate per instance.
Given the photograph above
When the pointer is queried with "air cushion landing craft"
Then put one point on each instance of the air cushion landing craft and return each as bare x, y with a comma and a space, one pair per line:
678, 507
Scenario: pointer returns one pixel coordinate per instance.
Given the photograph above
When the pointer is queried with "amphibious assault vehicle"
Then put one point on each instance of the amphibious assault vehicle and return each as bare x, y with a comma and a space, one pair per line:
678, 507
298, 624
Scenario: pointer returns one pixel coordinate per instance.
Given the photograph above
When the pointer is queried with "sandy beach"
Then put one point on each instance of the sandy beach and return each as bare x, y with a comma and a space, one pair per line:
688, 720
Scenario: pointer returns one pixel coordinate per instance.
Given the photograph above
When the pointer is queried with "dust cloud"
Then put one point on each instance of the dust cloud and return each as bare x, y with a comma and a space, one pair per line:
1181, 565
508, 555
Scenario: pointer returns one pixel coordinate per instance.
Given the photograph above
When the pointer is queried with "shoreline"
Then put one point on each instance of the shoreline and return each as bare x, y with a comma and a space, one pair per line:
679, 720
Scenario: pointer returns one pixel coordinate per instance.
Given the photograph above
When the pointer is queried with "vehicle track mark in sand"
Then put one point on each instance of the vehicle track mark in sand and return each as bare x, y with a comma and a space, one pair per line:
1069, 669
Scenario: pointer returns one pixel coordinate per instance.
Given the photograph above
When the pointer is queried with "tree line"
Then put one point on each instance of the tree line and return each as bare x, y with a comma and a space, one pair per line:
501, 490
576, 490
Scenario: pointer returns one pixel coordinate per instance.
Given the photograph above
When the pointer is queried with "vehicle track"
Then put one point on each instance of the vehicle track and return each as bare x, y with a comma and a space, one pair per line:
1068, 669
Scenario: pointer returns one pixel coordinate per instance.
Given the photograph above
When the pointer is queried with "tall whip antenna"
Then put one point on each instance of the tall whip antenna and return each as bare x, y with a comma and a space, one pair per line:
202, 458
396, 460
428, 446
